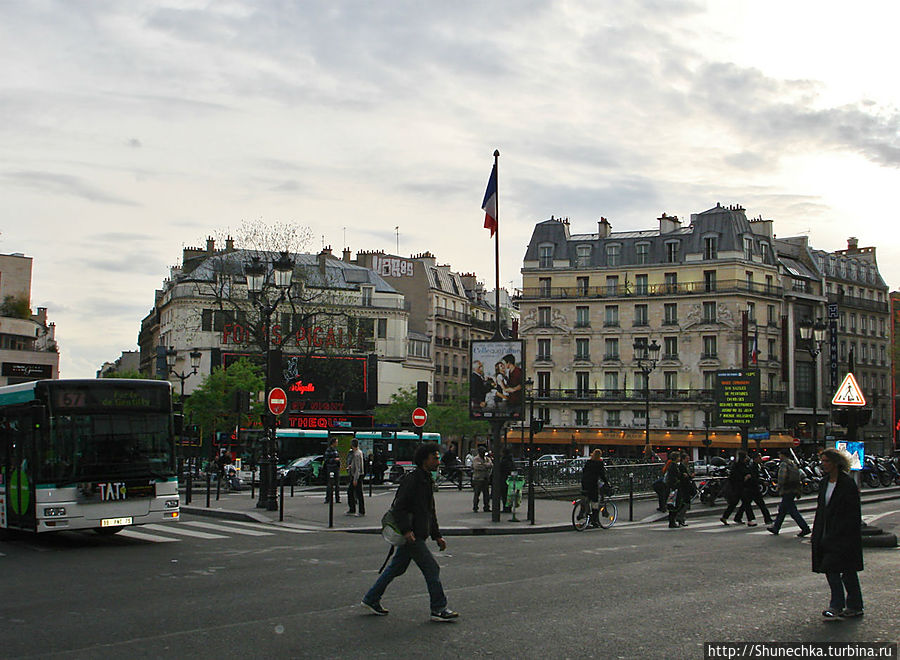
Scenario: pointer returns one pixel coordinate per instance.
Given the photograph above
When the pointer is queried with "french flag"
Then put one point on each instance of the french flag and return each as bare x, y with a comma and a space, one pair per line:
490, 203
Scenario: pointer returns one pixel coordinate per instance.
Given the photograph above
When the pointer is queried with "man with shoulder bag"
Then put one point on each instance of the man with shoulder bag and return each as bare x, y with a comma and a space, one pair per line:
416, 519
789, 489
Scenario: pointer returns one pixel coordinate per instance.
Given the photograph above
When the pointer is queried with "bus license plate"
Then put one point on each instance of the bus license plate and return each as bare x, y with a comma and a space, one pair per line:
115, 522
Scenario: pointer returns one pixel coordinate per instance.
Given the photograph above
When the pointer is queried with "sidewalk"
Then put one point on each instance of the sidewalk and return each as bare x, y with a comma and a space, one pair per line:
454, 509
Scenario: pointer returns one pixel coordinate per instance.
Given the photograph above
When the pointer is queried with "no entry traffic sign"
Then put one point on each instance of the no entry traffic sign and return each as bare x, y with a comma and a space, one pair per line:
419, 417
277, 401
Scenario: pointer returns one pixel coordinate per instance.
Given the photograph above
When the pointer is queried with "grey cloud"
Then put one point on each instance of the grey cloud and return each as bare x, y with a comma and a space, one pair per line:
134, 143
64, 184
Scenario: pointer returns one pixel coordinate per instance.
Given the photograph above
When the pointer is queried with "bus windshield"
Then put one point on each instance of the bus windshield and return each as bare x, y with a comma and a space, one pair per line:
97, 446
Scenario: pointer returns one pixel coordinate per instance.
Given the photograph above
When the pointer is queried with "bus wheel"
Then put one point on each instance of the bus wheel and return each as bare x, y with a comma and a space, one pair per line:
107, 531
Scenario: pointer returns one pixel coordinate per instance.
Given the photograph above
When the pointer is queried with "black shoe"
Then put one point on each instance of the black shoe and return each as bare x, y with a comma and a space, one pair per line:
682, 524
724, 521
445, 614
376, 608
772, 530
804, 532
850, 613
475, 509
830, 615
487, 510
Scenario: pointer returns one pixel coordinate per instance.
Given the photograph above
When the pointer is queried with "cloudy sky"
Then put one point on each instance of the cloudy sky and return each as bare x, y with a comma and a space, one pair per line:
131, 129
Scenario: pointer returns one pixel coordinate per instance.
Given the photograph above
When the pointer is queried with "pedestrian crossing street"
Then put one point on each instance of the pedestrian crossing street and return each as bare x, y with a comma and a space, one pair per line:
207, 531
788, 528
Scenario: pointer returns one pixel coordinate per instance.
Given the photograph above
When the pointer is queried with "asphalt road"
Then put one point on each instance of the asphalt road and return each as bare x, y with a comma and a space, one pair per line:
226, 589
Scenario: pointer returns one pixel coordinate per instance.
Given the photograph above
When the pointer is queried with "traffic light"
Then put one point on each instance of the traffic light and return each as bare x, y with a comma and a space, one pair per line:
240, 401
537, 425
422, 394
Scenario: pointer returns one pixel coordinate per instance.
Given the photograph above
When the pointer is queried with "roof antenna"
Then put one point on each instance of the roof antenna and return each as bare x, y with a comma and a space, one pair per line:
397, 229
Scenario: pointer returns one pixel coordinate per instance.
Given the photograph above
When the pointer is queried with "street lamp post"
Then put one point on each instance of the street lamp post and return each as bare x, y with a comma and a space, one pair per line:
257, 272
814, 335
529, 384
647, 355
171, 356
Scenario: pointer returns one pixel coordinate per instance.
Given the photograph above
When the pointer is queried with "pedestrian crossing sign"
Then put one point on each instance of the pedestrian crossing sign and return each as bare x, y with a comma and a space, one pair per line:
848, 394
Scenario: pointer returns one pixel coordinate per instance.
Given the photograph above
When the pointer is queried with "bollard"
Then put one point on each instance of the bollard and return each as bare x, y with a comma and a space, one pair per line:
292, 488
371, 479
190, 481
218, 486
630, 496
330, 501
208, 489
253, 484
281, 508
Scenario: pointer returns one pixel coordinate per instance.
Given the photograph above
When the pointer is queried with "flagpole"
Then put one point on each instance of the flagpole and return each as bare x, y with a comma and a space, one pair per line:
498, 333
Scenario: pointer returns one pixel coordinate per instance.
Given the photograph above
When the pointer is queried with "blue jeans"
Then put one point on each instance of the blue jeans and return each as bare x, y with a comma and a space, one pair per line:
849, 581
788, 507
419, 553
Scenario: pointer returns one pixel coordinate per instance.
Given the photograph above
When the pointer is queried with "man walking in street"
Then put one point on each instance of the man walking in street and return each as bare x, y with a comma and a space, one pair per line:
415, 513
789, 489
355, 471
332, 466
481, 478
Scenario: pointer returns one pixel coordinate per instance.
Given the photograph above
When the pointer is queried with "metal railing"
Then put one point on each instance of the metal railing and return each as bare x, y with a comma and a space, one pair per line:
659, 290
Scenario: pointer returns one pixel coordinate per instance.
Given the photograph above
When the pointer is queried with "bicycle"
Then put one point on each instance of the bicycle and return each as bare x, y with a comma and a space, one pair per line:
607, 514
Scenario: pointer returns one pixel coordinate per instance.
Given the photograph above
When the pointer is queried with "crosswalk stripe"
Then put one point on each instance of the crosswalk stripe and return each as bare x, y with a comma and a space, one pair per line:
282, 527
222, 528
172, 529
141, 536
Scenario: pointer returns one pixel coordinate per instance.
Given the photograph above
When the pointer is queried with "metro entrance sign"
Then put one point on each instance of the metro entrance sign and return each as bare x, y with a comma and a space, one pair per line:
277, 401
419, 417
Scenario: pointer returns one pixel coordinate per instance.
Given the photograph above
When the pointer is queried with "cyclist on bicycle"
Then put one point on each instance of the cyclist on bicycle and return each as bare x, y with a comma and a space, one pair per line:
594, 471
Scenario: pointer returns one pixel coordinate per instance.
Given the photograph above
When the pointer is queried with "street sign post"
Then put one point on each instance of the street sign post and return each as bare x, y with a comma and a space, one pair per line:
849, 393
277, 401
419, 417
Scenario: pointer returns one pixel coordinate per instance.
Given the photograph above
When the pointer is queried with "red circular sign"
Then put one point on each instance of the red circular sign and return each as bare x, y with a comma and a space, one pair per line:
419, 417
277, 401
796, 442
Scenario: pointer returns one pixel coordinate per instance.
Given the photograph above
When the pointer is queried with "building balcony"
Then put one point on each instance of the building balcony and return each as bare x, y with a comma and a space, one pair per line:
637, 395
655, 290
858, 303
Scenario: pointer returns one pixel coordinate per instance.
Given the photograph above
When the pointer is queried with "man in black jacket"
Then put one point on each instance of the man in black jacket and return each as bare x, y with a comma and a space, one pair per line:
414, 510
332, 466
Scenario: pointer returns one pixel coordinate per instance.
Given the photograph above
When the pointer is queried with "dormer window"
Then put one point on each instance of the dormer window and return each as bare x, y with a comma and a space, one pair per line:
545, 256
672, 252
711, 247
583, 256
613, 254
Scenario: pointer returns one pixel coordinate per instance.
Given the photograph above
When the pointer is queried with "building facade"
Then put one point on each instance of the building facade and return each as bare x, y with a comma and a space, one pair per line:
709, 294
28, 348
447, 310
334, 309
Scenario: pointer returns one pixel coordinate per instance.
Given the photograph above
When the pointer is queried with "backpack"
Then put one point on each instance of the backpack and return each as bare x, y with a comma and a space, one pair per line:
791, 478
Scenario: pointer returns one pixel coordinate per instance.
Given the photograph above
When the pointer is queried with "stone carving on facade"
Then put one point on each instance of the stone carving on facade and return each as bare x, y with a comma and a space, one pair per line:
692, 317
724, 315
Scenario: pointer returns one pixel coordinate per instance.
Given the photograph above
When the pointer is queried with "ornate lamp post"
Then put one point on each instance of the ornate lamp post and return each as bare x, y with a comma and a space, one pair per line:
172, 355
646, 355
814, 335
258, 289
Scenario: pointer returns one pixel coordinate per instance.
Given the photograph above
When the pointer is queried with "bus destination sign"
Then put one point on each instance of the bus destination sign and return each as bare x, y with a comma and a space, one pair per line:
737, 397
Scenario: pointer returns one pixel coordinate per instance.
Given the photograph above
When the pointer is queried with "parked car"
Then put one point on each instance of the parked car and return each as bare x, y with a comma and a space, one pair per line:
551, 458
302, 471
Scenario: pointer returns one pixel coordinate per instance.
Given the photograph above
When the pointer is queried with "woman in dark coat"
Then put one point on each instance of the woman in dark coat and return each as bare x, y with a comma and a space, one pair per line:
836, 537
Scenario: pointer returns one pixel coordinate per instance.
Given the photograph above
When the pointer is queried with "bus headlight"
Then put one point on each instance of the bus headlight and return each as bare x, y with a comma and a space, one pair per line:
54, 511
171, 504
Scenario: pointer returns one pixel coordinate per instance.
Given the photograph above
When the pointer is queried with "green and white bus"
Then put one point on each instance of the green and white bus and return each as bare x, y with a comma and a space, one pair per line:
87, 454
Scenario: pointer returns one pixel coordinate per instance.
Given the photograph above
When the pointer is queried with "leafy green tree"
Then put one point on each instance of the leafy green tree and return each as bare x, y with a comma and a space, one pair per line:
450, 418
209, 406
16, 307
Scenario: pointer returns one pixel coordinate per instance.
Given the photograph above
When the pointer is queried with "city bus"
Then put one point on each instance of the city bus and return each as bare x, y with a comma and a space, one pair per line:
87, 454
